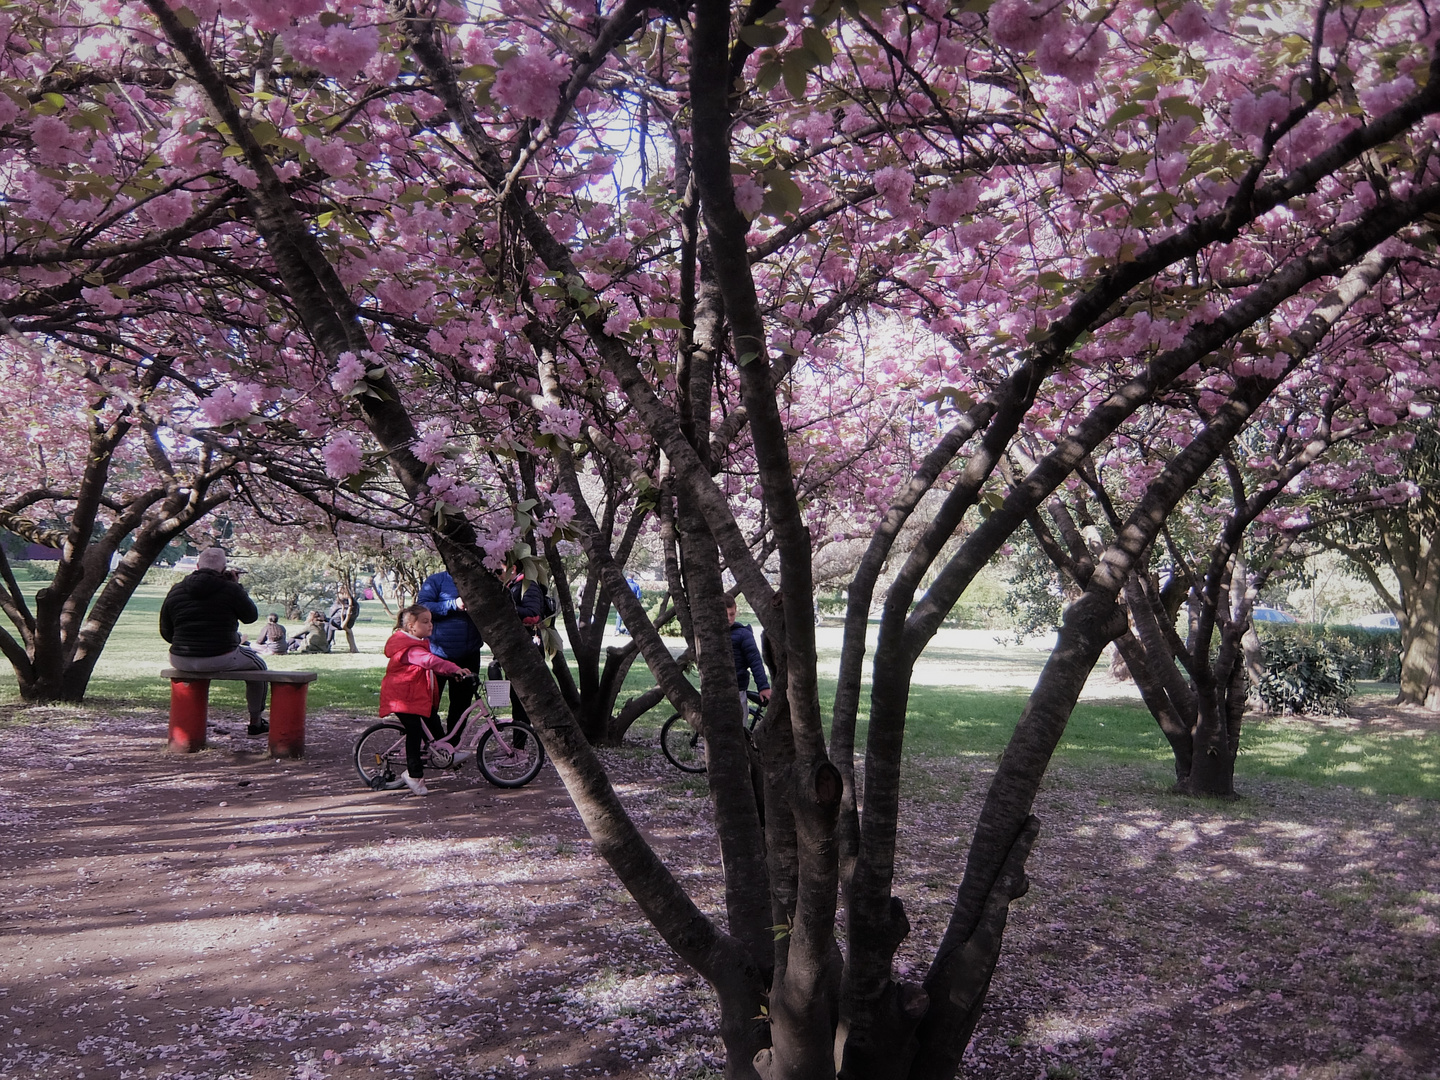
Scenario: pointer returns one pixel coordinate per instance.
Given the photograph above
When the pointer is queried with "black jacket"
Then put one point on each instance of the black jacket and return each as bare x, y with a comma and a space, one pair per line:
747, 658
529, 600
201, 615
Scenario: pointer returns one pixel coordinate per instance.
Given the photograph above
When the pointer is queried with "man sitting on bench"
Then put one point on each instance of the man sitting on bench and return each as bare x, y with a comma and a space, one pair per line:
201, 619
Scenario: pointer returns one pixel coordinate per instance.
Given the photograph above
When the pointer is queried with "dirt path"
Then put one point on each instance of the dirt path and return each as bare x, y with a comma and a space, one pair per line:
227, 917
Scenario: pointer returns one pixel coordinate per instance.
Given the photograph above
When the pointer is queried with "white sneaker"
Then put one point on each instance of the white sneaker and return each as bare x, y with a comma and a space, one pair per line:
417, 787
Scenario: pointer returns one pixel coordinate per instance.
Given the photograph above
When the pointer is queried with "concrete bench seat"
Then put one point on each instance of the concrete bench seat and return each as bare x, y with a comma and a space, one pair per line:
190, 707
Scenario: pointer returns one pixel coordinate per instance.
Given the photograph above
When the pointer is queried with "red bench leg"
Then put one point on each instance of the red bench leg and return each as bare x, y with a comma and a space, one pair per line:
287, 719
189, 709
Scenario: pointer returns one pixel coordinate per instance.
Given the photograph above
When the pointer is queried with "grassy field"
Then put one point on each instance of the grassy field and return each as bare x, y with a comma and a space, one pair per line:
945, 721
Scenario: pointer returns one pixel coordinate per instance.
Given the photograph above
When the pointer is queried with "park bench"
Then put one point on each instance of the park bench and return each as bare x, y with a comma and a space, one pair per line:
190, 705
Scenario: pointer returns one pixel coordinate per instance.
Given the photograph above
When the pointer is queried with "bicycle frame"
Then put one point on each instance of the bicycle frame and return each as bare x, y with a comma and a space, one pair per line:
467, 734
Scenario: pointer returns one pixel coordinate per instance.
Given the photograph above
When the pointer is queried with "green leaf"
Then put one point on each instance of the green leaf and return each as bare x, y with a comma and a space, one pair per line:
767, 76
186, 18
761, 37
324, 219
782, 195
1125, 112
825, 12
1182, 106
795, 68
662, 322
818, 44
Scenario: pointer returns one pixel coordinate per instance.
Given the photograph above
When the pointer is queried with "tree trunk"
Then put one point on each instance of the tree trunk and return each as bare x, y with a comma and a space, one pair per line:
1420, 646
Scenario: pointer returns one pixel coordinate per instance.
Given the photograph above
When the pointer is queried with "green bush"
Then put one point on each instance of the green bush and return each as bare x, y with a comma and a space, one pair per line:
1313, 669
33, 570
1373, 654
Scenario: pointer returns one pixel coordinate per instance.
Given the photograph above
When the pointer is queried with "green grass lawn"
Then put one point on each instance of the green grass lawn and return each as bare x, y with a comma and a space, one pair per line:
944, 722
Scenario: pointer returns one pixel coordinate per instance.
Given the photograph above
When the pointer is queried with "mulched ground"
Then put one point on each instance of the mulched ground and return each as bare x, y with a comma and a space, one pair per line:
223, 916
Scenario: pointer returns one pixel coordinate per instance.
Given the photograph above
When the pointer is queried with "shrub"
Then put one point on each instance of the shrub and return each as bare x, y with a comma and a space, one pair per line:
1305, 676
1312, 669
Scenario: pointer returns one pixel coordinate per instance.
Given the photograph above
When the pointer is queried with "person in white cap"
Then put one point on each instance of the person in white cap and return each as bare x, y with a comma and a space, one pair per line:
201, 619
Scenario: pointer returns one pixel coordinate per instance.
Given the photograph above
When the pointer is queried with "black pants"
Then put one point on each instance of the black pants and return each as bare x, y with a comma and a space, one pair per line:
415, 740
462, 691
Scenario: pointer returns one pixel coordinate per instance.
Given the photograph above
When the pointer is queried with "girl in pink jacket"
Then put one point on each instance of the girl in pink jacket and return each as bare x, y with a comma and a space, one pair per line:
410, 689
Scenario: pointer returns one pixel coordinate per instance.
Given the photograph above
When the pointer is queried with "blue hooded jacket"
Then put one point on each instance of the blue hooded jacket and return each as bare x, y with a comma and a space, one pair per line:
455, 636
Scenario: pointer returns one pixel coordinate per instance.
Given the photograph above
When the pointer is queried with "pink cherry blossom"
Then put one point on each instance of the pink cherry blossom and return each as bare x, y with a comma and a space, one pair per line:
332, 155
52, 138
950, 204
1019, 25
749, 196
1190, 23
229, 404
530, 85
894, 186
339, 50
342, 455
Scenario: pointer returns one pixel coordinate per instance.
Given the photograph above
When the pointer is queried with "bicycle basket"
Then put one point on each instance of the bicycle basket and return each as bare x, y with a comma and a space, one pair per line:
497, 693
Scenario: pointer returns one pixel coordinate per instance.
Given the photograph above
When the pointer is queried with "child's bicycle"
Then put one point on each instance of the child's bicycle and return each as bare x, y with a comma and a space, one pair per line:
508, 752
685, 747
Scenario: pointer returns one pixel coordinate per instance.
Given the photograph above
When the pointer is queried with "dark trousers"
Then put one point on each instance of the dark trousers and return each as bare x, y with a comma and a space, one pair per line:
415, 740
462, 691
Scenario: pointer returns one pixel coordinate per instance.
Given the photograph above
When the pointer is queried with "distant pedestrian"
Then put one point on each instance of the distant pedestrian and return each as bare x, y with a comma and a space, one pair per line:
639, 595
342, 616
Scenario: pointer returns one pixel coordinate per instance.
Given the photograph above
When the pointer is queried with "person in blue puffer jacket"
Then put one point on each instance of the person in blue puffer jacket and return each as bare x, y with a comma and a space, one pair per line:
455, 638
747, 654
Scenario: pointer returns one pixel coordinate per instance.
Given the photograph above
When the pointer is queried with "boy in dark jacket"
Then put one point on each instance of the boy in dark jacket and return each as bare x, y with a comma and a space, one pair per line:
201, 619
747, 654
528, 597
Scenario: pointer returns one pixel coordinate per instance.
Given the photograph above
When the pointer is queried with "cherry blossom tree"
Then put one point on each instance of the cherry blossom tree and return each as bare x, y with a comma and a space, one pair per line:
408, 225
1399, 535
1237, 527
93, 471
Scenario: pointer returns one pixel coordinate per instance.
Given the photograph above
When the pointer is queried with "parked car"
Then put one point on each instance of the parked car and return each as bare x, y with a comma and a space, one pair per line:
1382, 620
186, 565
1271, 615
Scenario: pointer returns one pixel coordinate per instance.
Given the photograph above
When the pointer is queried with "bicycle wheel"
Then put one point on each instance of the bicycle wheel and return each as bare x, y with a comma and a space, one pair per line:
380, 755
510, 754
683, 746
